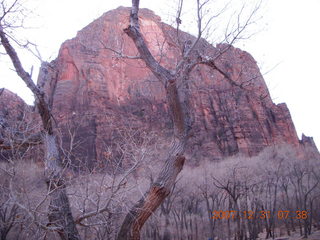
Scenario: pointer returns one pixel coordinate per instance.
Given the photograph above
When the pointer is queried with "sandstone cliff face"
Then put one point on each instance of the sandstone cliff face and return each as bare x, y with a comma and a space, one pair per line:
96, 92
12, 107
17, 124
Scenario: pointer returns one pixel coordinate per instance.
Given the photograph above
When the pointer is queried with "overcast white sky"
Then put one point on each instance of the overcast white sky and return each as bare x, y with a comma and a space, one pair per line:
287, 46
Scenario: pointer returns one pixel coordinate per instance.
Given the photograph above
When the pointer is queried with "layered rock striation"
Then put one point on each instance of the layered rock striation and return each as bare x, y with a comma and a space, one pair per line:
98, 92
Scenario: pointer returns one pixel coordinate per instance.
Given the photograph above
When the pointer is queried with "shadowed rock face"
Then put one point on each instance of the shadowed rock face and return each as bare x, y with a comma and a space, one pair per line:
96, 94
15, 114
17, 124
12, 108
96, 90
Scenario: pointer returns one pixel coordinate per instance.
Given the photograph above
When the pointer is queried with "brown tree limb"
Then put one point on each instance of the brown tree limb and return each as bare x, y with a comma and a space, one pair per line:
152, 199
175, 159
133, 31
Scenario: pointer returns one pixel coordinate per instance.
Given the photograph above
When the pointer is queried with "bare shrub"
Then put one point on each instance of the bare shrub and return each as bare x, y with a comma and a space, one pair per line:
267, 183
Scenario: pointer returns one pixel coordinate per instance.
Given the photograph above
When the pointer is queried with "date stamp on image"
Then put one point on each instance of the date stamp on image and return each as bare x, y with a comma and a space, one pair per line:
281, 214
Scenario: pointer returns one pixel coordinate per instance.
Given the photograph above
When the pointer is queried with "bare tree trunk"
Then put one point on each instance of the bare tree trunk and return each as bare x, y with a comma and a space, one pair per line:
174, 162
162, 187
211, 220
59, 215
159, 190
178, 102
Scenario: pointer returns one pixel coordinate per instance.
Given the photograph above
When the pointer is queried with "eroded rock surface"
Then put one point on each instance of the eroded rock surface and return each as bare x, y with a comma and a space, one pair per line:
97, 94
98, 89
19, 126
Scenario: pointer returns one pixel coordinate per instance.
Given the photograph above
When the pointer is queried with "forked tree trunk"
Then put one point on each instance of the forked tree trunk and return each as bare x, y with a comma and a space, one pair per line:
175, 159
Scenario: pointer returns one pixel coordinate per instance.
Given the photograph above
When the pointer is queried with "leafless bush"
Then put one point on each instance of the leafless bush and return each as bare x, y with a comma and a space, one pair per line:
274, 182
98, 198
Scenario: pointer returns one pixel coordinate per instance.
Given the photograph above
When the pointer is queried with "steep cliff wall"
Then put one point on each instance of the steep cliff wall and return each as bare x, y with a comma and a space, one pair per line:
97, 94
99, 91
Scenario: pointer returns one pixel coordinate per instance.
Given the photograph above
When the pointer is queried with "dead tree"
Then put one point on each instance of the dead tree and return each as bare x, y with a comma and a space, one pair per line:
214, 199
174, 162
9, 212
178, 102
304, 181
59, 213
60, 216
234, 187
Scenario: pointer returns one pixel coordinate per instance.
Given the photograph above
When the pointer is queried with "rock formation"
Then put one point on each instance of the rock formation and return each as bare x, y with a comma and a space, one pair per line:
95, 91
12, 108
19, 125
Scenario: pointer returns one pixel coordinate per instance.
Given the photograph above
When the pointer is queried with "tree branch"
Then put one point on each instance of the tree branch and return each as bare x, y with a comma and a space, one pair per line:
120, 54
32, 140
133, 31
59, 213
26, 77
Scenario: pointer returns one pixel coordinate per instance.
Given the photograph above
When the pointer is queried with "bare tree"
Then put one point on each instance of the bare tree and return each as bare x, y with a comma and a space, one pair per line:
304, 181
97, 198
175, 82
8, 209
214, 200
59, 215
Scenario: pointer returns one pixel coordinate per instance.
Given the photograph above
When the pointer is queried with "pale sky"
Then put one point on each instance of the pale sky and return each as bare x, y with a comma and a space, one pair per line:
286, 46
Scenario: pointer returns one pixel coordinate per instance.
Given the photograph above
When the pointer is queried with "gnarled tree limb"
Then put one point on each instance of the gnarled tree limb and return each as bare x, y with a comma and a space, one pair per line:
175, 159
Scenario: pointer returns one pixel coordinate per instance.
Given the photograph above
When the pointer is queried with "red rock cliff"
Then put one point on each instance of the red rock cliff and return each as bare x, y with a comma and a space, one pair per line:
18, 126
95, 91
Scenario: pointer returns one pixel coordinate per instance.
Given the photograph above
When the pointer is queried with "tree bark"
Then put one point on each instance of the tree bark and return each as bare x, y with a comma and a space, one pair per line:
175, 159
59, 214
